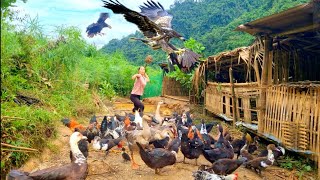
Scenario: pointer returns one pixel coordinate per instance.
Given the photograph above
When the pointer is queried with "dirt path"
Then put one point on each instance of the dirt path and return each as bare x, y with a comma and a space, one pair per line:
111, 166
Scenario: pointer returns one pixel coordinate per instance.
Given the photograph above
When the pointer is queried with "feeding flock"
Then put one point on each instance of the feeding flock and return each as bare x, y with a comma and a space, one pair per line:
158, 140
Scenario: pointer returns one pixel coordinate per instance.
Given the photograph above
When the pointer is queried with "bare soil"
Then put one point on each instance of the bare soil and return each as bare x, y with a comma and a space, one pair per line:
111, 166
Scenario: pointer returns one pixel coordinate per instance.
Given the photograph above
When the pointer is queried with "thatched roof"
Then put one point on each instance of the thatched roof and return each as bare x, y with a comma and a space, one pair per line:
302, 18
238, 53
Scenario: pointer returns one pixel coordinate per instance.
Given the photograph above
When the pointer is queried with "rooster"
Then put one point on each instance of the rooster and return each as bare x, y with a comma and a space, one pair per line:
72, 124
90, 132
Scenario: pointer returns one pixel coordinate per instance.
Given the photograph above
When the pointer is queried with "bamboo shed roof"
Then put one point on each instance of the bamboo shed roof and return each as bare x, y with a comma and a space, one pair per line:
302, 18
225, 59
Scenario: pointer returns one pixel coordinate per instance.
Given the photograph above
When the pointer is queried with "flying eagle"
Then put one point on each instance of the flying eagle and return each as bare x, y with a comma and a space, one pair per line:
95, 28
155, 24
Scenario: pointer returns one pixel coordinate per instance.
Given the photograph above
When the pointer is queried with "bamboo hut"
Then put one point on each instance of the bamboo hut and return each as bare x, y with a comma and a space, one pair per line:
284, 79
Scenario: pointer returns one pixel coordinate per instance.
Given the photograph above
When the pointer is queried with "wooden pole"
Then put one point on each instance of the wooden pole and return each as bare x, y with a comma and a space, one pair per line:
205, 90
264, 84
234, 108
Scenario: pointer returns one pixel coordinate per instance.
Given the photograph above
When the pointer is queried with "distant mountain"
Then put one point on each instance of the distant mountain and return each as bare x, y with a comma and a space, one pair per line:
211, 22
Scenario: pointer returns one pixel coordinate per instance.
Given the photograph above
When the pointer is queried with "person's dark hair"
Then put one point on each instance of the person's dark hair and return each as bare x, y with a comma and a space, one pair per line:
139, 67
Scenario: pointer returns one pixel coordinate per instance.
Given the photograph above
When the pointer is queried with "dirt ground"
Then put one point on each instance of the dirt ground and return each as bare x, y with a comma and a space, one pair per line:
111, 166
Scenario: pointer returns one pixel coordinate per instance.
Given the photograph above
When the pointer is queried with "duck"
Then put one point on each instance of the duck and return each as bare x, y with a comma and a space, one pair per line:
277, 152
226, 166
106, 144
260, 163
157, 158
175, 144
142, 136
206, 127
125, 156
245, 154
237, 144
220, 143
214, 154
207, 139
157, 115
138, 119
204, 175
191, 148
78, 169
83, 146
254, 145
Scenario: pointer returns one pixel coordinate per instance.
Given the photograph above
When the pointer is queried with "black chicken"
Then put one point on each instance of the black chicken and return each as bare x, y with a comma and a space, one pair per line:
95, 28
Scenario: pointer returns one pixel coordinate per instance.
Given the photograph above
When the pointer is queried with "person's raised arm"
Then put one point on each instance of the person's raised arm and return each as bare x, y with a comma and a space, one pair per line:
136, 76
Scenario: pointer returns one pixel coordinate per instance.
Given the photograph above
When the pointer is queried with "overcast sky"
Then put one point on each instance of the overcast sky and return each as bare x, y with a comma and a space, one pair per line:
81, 13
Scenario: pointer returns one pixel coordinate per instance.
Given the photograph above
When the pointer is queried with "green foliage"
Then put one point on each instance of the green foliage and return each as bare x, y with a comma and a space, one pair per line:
55, 71
194, 45
302, 165
184, 78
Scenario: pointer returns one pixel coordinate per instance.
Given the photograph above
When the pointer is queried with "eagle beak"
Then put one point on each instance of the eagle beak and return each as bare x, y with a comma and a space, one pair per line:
182, 38
109, 26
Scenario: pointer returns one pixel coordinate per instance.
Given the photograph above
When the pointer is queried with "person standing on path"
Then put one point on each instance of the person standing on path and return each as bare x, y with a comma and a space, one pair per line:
141, 79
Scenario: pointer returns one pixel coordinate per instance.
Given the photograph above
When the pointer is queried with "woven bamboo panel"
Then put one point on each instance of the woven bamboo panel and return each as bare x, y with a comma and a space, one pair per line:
171, 87
293, 116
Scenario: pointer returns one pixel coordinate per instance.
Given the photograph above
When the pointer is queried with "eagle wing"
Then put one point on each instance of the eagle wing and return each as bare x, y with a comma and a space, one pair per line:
148, 27
103, 17
156, 13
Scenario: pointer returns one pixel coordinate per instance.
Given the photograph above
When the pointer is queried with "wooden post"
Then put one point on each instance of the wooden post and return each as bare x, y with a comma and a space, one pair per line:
234, 108
270, 65
256, 69
264, 83
205, 90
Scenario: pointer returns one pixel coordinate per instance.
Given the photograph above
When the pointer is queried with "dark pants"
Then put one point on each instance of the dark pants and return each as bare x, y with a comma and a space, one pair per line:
138, 105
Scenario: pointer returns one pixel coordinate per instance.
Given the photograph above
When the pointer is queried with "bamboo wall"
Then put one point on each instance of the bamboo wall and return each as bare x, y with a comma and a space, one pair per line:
219, 100
171, 87
293, 116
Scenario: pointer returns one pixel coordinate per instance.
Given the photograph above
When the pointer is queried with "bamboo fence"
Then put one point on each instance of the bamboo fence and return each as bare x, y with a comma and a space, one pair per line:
293, 117
171, 87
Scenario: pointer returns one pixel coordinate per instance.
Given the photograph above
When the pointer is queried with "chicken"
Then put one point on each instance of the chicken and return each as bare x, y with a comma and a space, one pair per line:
157, 158
125, 156
77, 169
204, 175
72, 124
106, 144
